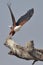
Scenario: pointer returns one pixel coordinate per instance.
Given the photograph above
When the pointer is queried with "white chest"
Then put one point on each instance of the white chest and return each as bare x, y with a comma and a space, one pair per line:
17, 28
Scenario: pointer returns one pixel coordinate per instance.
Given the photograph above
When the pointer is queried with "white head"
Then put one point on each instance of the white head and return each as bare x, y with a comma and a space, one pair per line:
10, 27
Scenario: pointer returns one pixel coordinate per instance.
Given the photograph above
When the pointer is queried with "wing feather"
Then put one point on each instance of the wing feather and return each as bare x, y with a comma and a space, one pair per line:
23, 19
12, 16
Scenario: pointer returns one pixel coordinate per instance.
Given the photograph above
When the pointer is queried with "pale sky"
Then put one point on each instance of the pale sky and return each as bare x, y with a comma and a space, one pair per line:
32, 30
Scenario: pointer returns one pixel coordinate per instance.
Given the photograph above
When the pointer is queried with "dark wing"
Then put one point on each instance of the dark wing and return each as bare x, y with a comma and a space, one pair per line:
23, 19
12, 16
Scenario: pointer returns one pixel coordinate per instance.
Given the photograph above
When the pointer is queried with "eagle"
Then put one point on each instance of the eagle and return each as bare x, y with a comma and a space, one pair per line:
16, 26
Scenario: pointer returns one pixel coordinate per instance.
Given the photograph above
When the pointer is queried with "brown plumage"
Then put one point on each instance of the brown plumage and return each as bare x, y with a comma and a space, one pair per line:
21, 21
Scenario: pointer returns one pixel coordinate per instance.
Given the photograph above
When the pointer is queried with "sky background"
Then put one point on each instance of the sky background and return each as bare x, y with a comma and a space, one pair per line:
32, 30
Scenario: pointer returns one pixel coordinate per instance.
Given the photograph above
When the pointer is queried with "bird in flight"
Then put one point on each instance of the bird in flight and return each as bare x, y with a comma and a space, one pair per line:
21, 21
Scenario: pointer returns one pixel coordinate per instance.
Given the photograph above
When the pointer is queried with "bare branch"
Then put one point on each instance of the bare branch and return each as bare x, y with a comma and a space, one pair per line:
27, 52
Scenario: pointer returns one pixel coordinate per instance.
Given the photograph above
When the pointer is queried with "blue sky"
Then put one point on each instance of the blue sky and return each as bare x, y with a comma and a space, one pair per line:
32, 30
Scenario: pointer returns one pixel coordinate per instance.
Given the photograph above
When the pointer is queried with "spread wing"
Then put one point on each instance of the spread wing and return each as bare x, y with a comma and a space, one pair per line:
23, 19
12, 16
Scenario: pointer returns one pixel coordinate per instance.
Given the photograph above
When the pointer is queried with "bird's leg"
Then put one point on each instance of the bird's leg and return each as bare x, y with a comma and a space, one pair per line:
34, 62
10, 36
12, 32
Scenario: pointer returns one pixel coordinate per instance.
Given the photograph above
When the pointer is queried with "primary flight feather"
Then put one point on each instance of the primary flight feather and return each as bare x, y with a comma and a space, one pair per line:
21, 21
